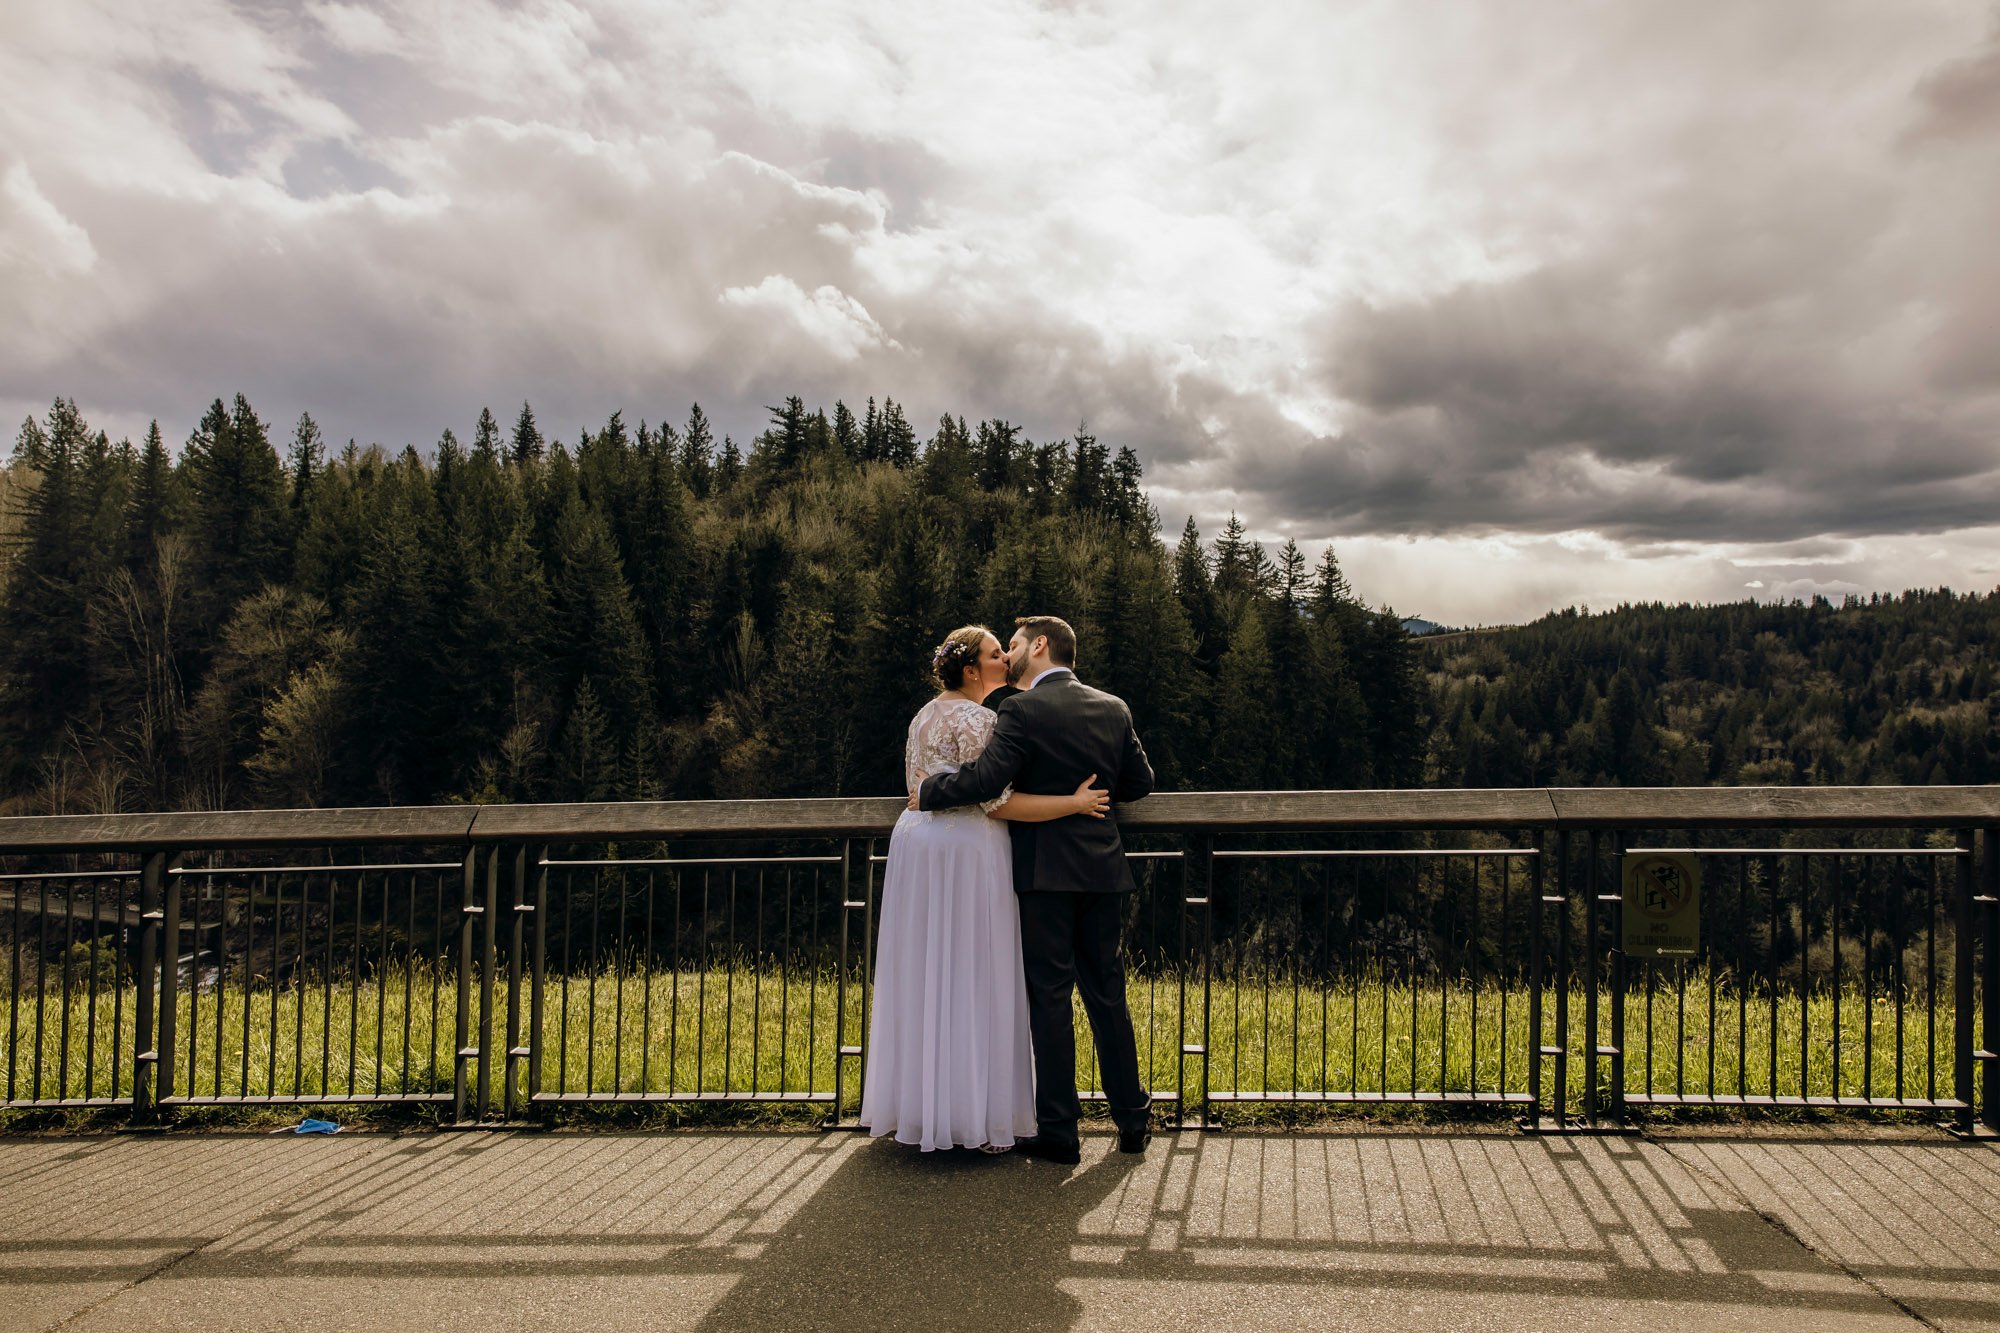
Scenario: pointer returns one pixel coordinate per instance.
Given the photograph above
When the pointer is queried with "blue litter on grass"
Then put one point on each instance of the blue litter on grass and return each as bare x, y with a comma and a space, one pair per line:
310, 1126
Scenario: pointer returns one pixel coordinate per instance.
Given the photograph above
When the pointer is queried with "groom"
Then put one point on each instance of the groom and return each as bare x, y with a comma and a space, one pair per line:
1069, 874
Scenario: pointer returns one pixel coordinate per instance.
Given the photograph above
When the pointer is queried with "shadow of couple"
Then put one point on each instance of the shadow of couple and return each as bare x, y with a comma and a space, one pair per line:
896, 1238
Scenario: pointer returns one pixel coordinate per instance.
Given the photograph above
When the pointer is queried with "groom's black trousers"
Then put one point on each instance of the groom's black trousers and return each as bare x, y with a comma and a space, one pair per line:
1070, 940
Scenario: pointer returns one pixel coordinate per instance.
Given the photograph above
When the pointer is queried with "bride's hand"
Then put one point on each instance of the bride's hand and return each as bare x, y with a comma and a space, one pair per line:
1090, 800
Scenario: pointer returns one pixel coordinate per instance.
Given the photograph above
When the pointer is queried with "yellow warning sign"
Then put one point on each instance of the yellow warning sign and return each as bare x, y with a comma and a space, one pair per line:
1662, 905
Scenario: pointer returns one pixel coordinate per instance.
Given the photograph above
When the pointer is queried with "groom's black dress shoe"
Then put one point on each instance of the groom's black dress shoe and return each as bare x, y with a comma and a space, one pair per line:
1134, 1140
1048, 1152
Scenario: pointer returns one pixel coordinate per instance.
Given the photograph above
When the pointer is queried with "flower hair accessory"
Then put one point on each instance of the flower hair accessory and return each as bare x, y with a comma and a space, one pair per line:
952, 653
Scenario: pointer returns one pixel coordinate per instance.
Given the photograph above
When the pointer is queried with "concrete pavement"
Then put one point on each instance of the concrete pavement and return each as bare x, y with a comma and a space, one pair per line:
722, 1231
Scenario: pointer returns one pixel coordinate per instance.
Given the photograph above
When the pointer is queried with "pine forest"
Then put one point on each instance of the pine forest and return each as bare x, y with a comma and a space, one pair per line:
646, 613
641, 613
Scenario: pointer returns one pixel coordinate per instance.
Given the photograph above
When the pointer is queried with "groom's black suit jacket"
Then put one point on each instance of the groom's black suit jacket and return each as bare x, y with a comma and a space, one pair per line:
1046, 741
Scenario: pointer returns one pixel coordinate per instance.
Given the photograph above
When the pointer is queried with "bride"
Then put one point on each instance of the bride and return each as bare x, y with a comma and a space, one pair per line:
948, 1055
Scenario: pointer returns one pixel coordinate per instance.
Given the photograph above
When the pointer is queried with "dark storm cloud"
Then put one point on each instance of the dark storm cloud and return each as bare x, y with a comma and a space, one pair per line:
1963, 97
1775, 349
1559, 400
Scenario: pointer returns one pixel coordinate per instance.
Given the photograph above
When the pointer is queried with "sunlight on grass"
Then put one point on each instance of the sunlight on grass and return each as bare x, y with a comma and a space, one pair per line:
745, 1031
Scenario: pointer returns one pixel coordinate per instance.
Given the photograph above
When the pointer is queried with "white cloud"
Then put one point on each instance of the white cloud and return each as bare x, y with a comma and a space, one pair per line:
1451, 284
33, 231
356, 28
838, 323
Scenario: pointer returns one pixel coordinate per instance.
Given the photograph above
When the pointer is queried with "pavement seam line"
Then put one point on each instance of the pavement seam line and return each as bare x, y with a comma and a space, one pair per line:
1784, 1229
276, 1207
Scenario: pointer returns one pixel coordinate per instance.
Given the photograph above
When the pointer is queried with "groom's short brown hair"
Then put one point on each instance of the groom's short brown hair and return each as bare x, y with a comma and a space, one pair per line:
1062, 639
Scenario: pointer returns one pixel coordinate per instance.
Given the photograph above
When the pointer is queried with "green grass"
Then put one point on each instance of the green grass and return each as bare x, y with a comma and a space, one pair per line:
742, 1031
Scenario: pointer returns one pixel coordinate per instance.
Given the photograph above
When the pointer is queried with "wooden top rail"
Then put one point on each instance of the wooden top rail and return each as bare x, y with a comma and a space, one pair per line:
440, 824
1487, 808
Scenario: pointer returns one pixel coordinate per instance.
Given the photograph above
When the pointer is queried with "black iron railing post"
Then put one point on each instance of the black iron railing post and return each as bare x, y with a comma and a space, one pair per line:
167, 1046
1537, 1051
145, 1018
1590, 982
489, 928
539, 974
1615, 1050
14, 937
1197, 892
1209, 969
1180, 1007
1562, 979
1989, 981
841, 1049
522, 910
860, 1048
468, 909
1963, 1051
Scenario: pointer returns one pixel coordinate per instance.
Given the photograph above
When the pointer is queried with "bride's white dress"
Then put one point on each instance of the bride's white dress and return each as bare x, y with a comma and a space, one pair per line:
948, 1056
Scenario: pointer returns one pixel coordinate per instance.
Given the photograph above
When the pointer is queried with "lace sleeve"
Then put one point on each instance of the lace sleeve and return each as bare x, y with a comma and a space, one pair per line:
975, 730
945, 736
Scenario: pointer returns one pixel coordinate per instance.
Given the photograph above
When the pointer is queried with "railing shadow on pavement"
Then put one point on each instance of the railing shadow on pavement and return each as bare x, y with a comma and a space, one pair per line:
798, 1230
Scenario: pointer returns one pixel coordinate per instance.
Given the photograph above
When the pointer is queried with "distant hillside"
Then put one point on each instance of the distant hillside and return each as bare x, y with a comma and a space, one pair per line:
1889, 690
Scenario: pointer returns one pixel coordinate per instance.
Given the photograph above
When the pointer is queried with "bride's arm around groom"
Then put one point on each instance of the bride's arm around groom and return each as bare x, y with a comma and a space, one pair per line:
1053, 735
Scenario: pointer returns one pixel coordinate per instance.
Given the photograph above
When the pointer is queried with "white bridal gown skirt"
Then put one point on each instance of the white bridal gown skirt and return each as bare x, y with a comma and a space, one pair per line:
948, 1055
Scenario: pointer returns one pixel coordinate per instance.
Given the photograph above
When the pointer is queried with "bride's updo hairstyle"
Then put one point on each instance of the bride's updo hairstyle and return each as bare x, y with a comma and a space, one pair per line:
959, 650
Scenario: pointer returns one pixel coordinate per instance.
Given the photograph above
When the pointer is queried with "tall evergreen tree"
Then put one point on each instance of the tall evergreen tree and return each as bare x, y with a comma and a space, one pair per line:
728, 468
486, 434
659, 553
786, 437
238, 521
697, 447
1128, 500
1251, 752
154, 507
44, 652
846, 434
1195, 589
1234, 569
597, 634
947, 464
994, 454
1090, 477
899, 441
874, 443
304, 460
527, 444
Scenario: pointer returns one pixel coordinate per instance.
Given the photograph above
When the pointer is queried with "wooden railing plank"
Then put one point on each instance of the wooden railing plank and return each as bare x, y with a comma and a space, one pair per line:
1791, 807
387, 824
1490, 807
838, 816
1487, 808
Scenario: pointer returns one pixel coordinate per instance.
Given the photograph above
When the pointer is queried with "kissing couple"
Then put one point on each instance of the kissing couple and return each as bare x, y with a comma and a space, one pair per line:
985, 933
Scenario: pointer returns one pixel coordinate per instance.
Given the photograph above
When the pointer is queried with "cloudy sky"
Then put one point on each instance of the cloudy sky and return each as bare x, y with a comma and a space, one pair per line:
1523, 303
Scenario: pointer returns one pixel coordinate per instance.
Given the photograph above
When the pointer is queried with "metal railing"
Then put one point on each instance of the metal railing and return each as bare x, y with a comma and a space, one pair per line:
631, 932
363, 961
1287, 948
